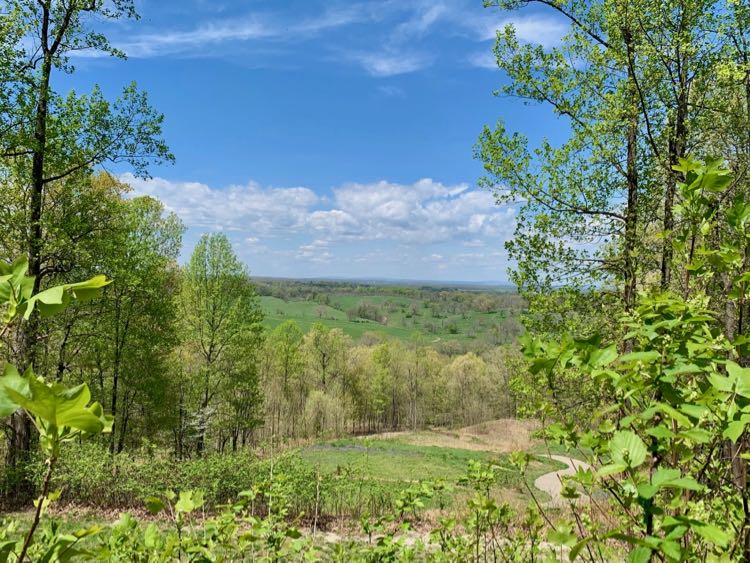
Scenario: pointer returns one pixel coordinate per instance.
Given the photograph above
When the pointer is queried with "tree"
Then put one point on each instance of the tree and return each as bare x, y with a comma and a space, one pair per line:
283, 385
219, 309
633, 80
138, 314
47, 138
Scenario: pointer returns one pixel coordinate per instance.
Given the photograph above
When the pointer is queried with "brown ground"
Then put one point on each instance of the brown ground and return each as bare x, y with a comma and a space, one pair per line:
504, 435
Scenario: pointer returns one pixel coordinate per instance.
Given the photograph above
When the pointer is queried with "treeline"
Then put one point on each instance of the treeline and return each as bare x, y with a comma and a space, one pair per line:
448, 300
323, 384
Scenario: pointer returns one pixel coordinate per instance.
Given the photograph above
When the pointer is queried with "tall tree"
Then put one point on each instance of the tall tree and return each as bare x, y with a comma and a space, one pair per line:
48, 138
219, 308
631, 78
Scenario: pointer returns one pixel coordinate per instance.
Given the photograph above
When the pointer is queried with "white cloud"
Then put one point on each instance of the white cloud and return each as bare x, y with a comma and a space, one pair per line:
254, 26
425, 16
391, 91
368, 224
538, 29
423, 212
483, 59
249, 208
391, 64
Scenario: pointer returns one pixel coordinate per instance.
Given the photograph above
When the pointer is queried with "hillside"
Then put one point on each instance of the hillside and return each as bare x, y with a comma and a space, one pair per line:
460, 318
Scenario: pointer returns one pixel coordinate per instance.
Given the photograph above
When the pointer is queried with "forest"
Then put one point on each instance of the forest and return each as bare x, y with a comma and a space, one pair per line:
160, 403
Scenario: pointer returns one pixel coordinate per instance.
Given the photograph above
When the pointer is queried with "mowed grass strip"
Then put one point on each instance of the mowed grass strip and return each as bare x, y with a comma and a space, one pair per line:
391, 460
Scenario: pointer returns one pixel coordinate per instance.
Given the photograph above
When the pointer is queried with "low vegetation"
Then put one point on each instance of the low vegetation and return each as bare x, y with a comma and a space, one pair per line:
227, 420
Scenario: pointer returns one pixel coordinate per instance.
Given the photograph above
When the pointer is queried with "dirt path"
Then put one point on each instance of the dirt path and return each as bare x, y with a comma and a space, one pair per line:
551, 483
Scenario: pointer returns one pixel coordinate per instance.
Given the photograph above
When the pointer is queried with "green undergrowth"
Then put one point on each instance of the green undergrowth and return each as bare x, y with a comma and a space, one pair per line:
336, 480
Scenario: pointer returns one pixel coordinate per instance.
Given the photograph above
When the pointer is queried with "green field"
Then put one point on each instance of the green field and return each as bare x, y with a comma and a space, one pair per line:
401, 317
394, 464
391, 460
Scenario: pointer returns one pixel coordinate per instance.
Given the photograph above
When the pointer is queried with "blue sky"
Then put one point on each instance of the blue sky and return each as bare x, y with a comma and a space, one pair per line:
329, 138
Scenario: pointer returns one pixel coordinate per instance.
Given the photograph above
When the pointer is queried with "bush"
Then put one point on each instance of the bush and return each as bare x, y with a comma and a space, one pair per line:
87, 474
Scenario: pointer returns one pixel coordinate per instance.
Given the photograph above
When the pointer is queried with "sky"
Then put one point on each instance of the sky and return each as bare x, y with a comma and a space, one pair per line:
325, 138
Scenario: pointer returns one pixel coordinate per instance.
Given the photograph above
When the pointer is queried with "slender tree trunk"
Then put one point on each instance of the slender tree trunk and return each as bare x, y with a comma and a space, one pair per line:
20, 443
631, 212
677, 146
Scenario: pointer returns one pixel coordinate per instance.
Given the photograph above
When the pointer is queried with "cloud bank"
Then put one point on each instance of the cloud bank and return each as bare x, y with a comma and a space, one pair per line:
421, 228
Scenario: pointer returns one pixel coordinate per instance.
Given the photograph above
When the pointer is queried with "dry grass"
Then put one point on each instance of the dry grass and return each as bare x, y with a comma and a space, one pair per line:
504, 435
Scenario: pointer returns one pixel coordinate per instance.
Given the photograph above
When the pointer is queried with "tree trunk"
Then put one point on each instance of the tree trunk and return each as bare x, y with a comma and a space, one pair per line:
631, 212
20, 442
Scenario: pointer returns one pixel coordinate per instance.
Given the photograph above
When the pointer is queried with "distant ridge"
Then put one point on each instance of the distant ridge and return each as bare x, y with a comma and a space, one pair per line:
448, 284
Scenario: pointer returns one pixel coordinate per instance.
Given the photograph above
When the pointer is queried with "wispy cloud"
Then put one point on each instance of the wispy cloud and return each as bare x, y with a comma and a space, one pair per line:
254, 26
483, 59
391, 91
538, 29
391, 64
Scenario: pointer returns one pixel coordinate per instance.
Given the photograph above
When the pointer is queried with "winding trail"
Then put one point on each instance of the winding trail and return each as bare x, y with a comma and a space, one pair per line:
551, 483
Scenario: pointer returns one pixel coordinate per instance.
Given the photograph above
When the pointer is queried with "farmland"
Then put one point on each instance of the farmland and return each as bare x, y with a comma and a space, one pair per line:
447, 317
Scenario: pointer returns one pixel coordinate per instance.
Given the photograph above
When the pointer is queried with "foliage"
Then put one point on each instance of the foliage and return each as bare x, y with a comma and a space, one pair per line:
59, 414
669, 441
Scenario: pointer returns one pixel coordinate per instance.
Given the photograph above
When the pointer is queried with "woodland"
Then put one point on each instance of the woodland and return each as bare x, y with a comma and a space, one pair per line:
159, 406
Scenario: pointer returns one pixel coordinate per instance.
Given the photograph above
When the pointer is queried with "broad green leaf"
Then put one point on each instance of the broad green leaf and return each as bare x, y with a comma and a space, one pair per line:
661, 432
713, 534
734, 430
646, 357
603, 356
664, 475
12, 380
687, 483
611, 469
647, 490
89, 289
697, 435
720, 382
640, 554
671, 549
627, 448
741, 377
154, 505
694, 411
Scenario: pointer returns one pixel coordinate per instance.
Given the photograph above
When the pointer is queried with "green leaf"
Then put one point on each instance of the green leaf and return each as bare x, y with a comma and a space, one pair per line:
720, 382
713, 534
664, 475
697, 435
741, 377
577, 548
89, 289
603, 357
154, 505
687, 483
646, 357
627, 448
671, 549
734, 430
11, 380
661, 432
611, 469
640, 554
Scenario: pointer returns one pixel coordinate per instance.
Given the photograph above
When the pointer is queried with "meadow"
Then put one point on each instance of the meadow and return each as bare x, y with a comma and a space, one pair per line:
448, 318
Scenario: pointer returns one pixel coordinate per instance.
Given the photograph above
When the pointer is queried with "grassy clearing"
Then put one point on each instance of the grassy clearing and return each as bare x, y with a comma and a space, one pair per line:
402, 317
396, 462
392, 460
